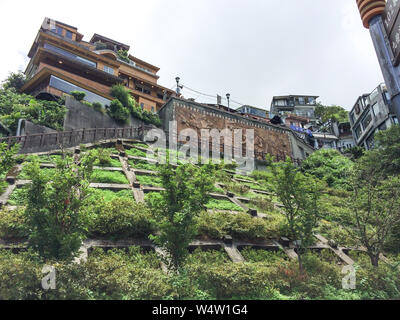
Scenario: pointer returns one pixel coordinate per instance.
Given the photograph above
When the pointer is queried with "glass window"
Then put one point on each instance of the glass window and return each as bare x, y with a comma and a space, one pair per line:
59, 30
69, 35
301, 101
67, 87
69, 55
108, 70
395, 120
367, 120
358, 132
152, 109
142, 105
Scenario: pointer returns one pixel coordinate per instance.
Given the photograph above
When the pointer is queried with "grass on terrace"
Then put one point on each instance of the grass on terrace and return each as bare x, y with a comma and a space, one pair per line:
115, 177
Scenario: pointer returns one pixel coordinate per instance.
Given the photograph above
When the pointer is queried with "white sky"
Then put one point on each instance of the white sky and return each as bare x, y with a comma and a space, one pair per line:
253, 49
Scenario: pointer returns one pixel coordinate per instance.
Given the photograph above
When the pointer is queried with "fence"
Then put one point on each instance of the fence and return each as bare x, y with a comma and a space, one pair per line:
42, 142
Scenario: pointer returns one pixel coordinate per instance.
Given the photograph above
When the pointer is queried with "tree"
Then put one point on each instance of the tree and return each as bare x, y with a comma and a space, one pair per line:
7, 157
375, 212
53, 207
330, 166
185, 195
331, 114
118, 111
388, 150
15, 80
299, 195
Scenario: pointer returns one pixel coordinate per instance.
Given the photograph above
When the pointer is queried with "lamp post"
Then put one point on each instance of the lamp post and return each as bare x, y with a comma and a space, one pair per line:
178, 88
228, 96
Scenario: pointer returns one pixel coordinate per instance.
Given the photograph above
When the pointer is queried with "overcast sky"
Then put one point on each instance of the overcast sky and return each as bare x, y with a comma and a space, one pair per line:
253, 49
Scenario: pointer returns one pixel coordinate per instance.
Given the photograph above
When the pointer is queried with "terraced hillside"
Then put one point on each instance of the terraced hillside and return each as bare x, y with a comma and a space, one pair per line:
241, 251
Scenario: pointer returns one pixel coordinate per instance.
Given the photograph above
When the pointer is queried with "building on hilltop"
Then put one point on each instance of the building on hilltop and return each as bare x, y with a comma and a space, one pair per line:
371, 113
61, 62
294, 105
253, 111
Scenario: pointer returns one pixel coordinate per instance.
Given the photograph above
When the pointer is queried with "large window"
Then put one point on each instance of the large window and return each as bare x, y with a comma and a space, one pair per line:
108, 69
70, 55
67, 87
358, 132
69, 35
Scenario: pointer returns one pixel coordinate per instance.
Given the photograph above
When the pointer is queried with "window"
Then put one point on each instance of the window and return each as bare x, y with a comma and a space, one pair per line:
69, 55
69, 35
67, 87
367, 120
142, 105
152, 109
395, 120
358, 132
108, 69
59, 30
301, 101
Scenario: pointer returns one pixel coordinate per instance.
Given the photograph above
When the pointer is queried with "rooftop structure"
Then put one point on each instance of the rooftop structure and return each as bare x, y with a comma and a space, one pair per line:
299, 105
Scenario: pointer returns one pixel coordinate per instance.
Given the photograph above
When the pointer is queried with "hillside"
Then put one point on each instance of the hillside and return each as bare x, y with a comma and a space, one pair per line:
241, 248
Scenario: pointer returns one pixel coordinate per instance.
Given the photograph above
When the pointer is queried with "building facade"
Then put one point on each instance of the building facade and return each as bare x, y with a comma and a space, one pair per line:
296, 105
371, 113
253, 111
61, 62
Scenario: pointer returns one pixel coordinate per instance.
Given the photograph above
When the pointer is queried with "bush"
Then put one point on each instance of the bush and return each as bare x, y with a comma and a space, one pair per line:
13, 224
241, 226
117, 111
330, 166
116, 177
97, 106
121, 218
78, 95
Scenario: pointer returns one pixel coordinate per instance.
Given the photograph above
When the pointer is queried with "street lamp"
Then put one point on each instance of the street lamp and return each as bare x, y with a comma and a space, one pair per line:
178, 88
228, 96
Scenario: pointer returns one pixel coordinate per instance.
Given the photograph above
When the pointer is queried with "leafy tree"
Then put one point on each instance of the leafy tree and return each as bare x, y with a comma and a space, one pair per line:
375, 211
330, 166
185, 195
117, 111
299, 195
331, 114
354, 153
53, 207
15, 80
7, 157
388, 150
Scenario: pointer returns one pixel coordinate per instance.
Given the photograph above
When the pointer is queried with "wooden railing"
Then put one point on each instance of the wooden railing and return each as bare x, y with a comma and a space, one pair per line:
47, 141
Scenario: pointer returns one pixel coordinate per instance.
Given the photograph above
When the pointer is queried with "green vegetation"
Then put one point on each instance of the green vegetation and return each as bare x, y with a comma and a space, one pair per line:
19, 196
222, 204
53, 207
328, 114
116, 177
125, 105
241, 226
99, 195
151, 181
186, 192
15, 81
143, 165
330, 166
15, 106
13, 224
78, 95
136, 153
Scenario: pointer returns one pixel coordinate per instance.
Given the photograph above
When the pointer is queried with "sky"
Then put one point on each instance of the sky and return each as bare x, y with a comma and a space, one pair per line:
253, 49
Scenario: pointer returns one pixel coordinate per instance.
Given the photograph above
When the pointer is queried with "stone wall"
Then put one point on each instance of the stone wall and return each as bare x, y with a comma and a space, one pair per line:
275, 140
80, 116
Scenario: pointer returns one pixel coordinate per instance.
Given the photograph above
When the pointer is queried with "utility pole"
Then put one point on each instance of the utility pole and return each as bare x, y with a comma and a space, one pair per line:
383, 22
228, 96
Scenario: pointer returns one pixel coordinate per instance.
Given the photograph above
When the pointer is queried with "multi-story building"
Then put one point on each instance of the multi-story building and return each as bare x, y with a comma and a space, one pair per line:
371, 113
302, 106
253, 111
61, 62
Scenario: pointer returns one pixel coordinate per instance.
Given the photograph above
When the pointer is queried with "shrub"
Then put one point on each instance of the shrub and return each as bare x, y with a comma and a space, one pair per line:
97, 106
78, 95
13, 224
115, 177
117, 111
121, 218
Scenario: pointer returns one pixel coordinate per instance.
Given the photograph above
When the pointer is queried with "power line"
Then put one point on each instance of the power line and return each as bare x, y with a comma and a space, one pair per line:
211, 96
